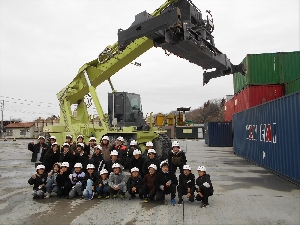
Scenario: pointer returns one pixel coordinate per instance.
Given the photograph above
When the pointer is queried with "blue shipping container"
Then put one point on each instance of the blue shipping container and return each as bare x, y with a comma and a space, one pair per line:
269, 135
218, 134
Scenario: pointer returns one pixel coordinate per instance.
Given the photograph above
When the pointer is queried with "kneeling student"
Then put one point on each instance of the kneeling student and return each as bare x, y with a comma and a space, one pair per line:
38, 180
186, 184
117, 181
76, 180
205, 188
101, 184
165, 183
51, 180
135, 184
148, 187
88, 182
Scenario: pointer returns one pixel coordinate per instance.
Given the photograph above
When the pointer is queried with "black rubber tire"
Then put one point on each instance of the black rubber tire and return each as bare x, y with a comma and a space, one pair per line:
162, 145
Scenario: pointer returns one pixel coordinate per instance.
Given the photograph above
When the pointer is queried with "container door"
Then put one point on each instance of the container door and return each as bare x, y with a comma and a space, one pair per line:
200, 132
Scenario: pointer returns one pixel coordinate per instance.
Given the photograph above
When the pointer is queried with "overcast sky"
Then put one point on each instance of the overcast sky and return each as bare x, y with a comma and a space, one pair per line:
44, 43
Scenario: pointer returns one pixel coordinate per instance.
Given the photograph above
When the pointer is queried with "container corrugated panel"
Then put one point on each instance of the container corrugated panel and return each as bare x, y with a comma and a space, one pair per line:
269, 135
293, 86
261, 69
290, 65
218, 134
229, 109
256, 95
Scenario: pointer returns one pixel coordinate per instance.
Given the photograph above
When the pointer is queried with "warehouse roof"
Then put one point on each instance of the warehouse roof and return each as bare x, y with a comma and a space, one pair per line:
20, 125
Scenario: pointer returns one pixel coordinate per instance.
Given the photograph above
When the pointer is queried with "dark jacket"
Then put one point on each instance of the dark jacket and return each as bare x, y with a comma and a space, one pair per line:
187, 181
35, 149
39, 180
108, 165
177, 159
96, 159
68, 157
203, 179
162, 178
87, 176
149, 181
148, 162
136, 182
62, 179
138, 163
50, 158
83, 159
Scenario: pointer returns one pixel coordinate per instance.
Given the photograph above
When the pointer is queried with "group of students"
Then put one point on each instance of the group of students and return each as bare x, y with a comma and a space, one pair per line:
102, 173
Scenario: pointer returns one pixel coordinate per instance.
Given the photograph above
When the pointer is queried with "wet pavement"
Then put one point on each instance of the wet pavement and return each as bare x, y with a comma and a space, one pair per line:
244, 194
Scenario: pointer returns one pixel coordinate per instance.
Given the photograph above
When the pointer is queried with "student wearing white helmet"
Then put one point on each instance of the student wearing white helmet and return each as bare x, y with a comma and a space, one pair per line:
76, 180
137, 161
148, 187
101, 185
37, 149
135, 184
204, 187
97, 158
51, 184
88, 182
63, 180
176, 158
105, 145
90, 147
114, 159
52, 140
82, 156
149, 145
117, 181
38, 180
66, 155
121, 149
186, 184
133, 146
151, 159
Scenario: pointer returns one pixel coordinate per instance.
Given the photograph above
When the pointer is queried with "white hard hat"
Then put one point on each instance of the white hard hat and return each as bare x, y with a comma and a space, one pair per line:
187, 167
116, 165
151, 150
105, 138
80, 136
134, 169
98, 147
137, 152
69, 136
55, 143
175, 144
133, 142
202, 168
164, 162
66, 144
78, 165
114, 152
93, 139
149, 144
40, 167
90, 166
120, 138
80, 144
152, 166
103, 171
53, 137
66, 164
41, 137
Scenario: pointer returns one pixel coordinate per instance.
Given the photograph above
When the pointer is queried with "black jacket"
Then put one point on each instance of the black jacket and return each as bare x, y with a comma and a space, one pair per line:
35, 149
138, 163
177, 159
68, 157
162, 178
50, 158
136, 182
62, 179
39, 180
203, 179
108, 165
187, 181
148, 162
83, 159
96, 159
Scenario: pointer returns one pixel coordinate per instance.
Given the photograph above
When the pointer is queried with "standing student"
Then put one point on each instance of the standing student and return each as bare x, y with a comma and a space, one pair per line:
37, 149
176, 158
105, 148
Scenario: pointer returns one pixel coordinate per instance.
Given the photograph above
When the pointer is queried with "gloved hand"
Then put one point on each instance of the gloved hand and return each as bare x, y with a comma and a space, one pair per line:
205, 184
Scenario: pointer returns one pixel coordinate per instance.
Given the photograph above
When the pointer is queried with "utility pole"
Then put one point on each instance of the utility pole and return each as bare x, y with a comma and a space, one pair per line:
1, 108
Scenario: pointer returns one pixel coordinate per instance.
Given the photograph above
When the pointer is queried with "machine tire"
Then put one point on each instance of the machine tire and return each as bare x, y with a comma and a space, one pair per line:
162, 145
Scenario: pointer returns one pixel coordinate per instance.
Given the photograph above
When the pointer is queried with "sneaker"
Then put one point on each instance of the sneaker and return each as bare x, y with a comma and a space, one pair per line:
107, 197
173, 202
47, 195
204, 206
90, 197
180, 201
122, 196
99, 196
114, 196
146, 200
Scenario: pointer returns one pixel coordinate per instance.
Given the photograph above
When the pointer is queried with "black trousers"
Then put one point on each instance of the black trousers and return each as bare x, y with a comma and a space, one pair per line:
174, 168
183, 191
206, 192
147, 192
64, 191
115, 192
138, 191
160, 194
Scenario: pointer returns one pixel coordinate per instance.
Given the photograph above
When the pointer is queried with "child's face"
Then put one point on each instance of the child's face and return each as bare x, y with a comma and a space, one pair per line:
151, 155
152, 171
92, 142
165, 168
116, 170
90, 170
137, 156
40, 171
97, 151
55, 169
135, 174
80, 140
79, 148
64, 168
186, 172
66, 148
175, 149
55, 148
201, 173
77, 169
104, 176
105, 142
114, 157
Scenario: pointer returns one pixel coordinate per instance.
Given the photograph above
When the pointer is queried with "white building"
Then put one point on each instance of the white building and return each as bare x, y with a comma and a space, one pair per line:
20, 130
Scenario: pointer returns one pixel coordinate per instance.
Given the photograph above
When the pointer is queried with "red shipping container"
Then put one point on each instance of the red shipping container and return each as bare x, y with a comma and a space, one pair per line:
256, 95
229, 109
